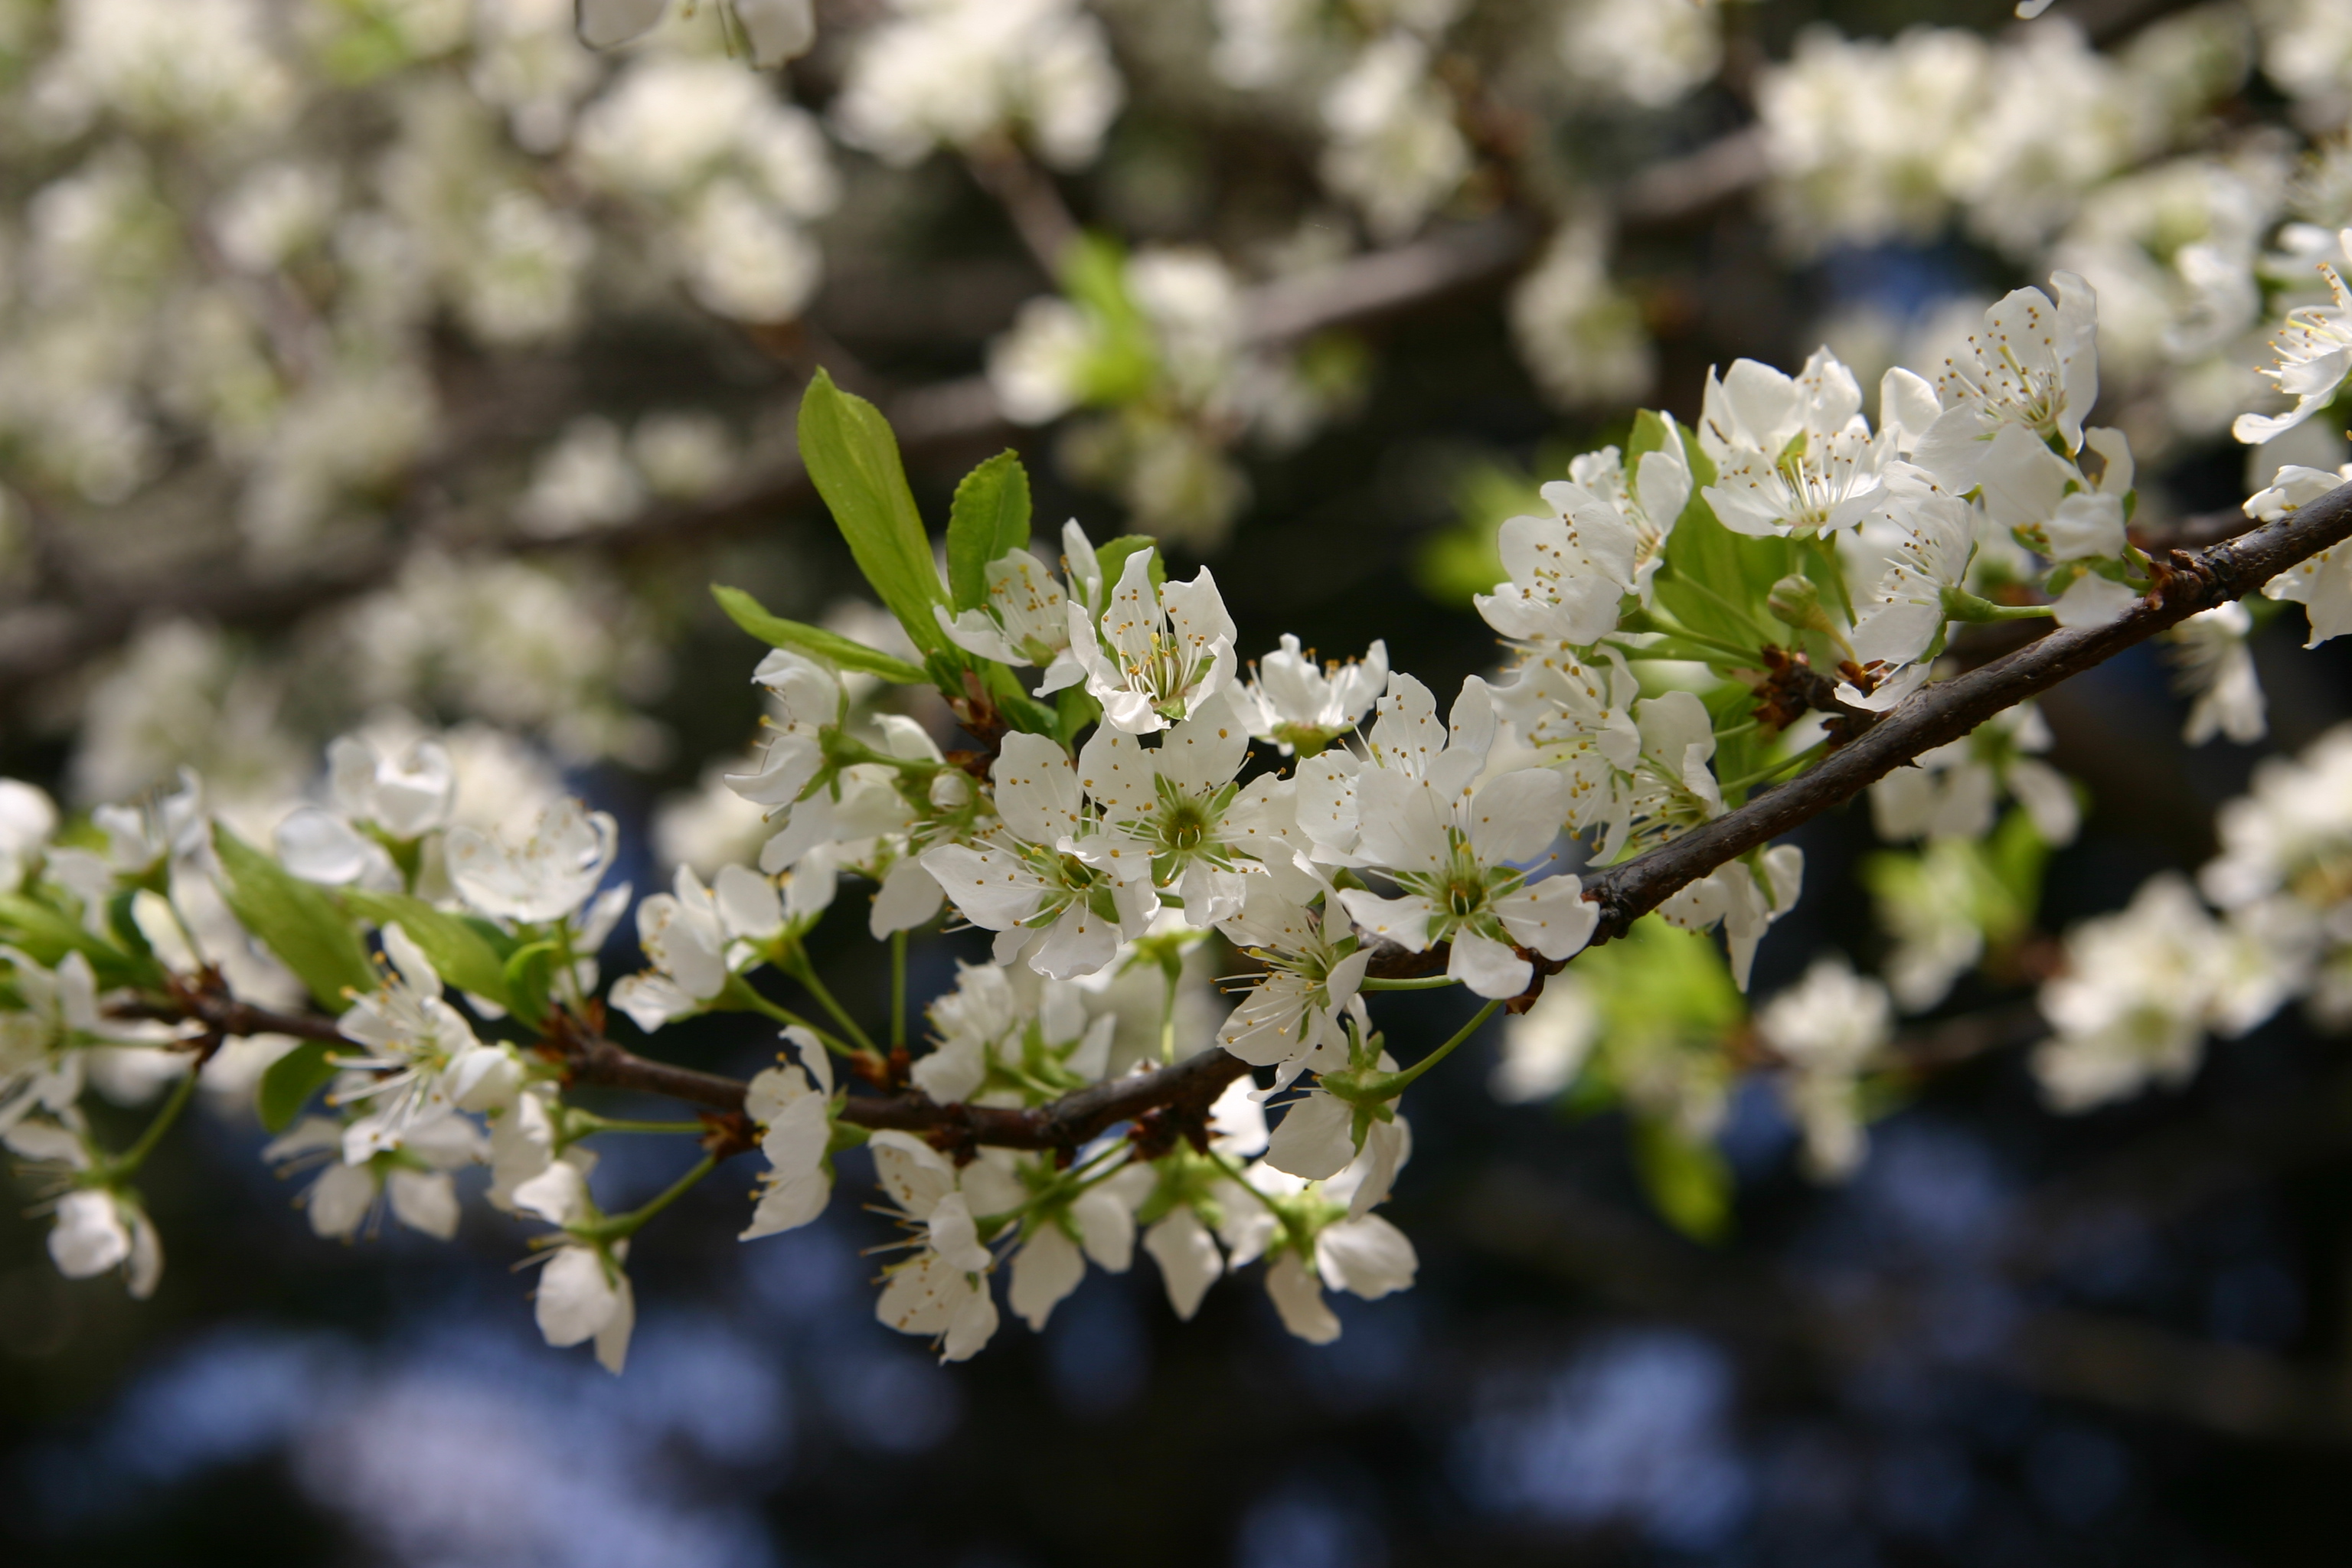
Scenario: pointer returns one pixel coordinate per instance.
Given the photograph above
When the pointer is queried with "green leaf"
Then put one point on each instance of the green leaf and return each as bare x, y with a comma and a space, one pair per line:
1690, 1183
297, 920
46, 935
854, 458
528, 973
463, 951
1650, 433
1075, 708
1715, 580
287, 1084
990, 516
1114, 555
841, 652
1123, 360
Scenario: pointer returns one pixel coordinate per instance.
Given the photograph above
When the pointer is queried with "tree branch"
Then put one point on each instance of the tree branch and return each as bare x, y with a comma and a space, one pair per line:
1951, 708
1943, 713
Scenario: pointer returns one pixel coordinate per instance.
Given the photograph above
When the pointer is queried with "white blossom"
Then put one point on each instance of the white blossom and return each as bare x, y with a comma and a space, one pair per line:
403, 792
1161, 651
942, 1292
1295, 704
696, 937
1545, 1047
1395, 149
792, 1106
2216, 669
2143, 987
1794, 455
1951, 790
547, 877
1456, 848
425, 1059
2314, 354
413, 1181
1029, 877
2321, 583
1827, 1027
1605, 539
1027, 617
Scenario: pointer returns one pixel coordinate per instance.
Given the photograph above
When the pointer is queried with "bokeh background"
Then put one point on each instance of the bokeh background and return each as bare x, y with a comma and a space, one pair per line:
2010, 1338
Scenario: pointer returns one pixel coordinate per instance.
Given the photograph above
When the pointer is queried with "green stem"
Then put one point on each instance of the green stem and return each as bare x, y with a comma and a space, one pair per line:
127, 1163
588, 1122
784, 1015
1226, 1164
620, 1227
1388, 1086
1763, 774
1418, 982
897, 991
1167, 1022
798, 966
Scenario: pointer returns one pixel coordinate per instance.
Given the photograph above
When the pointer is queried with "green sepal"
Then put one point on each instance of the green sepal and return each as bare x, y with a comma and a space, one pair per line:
832, 647
853, 458
989, 519
287, 1084
469, 954
299, 921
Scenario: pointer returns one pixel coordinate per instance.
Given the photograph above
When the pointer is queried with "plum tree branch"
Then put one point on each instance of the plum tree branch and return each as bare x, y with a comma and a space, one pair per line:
2189, 582
2193, 582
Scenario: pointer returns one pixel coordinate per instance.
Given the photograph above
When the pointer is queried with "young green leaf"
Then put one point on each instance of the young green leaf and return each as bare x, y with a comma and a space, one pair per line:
854, 458
297, 920
839, 651
1114, 555
46, 935
464, 953
528, 971
991, 516
287, 1084
1689, 1182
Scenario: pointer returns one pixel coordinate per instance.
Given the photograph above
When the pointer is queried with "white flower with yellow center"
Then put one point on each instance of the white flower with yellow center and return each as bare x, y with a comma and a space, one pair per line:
1157, 653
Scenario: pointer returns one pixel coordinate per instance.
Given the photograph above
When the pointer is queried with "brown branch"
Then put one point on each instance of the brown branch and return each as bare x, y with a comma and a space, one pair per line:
1190, 1086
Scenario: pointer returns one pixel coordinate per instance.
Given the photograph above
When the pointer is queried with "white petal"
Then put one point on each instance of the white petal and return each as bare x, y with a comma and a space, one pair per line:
1315, 1138
1047, 1268
1552, 916
1367, 1256
1488, 967
1298, 1297
1188, 1258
